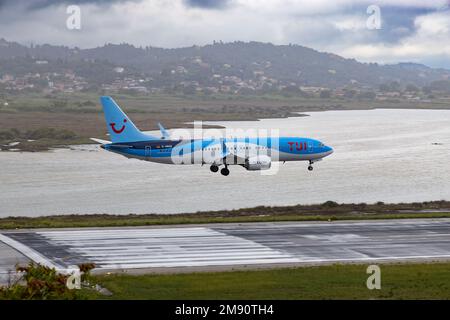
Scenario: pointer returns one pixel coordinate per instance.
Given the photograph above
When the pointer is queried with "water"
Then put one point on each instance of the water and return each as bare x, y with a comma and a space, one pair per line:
380, 155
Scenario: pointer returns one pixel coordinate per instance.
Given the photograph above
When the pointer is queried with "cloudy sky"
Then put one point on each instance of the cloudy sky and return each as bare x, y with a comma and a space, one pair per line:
411, 30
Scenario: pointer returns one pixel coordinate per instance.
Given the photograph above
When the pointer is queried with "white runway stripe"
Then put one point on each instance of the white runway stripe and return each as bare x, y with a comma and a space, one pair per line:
163, 247
198, 263
178, 254
28, 252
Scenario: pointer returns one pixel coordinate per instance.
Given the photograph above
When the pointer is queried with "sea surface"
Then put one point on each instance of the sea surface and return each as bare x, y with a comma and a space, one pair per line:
379, 155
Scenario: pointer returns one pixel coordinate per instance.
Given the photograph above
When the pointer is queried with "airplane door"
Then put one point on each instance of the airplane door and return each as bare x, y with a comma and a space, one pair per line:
148, 151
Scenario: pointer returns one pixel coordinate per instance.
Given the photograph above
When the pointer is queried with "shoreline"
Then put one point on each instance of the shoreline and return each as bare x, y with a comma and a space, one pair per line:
327, 211
47, 144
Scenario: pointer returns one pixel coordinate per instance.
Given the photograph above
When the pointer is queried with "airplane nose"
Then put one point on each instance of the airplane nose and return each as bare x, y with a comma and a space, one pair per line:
329, 150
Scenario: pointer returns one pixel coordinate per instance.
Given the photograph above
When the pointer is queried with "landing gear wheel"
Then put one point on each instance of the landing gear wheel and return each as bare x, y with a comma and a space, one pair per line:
310, 168
225, 171
214, 168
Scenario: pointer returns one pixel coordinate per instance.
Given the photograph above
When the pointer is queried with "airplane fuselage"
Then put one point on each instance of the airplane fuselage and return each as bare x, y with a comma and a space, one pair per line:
204, 151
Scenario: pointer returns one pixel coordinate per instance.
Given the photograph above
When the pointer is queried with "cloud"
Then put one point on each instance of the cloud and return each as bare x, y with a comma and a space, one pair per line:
40, 4
429, 43
412, 30
208, 4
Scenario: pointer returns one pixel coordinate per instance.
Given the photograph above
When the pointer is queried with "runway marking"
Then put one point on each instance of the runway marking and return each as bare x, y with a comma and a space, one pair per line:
168, 247
227, 245
28, 252
387, 258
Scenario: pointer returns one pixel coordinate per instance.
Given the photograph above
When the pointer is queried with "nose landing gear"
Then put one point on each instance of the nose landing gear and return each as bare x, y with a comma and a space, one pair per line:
310, 167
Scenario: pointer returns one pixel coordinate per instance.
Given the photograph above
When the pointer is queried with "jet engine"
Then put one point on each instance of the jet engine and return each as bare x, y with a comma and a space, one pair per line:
258, 163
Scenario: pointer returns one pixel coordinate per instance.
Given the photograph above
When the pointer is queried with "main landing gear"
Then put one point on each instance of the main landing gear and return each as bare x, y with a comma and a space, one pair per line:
223, 171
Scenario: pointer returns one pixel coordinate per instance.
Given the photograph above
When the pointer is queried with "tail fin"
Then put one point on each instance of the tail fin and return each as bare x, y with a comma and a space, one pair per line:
120, 127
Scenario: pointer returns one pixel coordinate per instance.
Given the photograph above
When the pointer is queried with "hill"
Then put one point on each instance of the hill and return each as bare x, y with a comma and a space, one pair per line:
219, 66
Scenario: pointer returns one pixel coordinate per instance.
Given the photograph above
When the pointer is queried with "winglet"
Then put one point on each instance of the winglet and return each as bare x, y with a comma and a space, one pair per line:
164, 133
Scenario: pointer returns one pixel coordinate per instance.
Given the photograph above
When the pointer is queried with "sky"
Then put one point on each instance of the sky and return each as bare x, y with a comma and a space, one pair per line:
385, 31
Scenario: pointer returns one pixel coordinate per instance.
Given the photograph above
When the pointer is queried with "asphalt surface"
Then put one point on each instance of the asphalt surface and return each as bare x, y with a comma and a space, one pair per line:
229, 245
9, 257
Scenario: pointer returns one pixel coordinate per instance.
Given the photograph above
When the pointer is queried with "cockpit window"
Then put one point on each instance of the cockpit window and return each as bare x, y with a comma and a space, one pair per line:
321, 145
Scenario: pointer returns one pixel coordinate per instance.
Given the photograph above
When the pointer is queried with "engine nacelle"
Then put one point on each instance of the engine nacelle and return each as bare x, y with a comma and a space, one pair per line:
258, 163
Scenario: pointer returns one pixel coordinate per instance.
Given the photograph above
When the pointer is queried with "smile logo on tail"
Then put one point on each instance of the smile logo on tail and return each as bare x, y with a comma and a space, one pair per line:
113, 126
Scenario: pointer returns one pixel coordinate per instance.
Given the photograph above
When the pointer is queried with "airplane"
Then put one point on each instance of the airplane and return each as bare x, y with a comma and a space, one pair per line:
251, 153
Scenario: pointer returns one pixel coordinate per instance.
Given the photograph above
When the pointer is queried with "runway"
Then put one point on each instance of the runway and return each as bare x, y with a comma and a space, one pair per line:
230, 245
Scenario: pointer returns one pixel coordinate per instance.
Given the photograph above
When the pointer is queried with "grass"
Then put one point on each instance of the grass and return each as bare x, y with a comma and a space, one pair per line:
398, 281
38, 139
328, 211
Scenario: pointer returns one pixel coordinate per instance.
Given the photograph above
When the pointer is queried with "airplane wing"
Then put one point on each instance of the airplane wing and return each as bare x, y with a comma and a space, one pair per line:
228, 156
235, 158
242, 156
217, 157
111, 145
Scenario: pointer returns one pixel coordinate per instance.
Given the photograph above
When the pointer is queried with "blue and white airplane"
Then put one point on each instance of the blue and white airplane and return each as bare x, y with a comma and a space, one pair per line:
250, 153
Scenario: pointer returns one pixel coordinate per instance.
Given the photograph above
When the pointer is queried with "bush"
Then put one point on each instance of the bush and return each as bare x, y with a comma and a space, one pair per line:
330, 204
50, 133
325, 94
41, 282
9, 134
41, 133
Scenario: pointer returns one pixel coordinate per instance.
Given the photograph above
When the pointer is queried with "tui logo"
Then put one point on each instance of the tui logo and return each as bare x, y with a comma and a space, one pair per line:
298, 146
113, 127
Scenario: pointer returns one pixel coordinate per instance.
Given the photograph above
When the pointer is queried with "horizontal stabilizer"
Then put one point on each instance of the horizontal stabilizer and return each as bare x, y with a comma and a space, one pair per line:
100, 141
164, 133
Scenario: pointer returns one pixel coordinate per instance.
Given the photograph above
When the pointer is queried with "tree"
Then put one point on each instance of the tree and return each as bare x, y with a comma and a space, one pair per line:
349, 93
395, 86
325, 94
426, 90
412, 88
188, 90
370, 95
384, 87
441, 85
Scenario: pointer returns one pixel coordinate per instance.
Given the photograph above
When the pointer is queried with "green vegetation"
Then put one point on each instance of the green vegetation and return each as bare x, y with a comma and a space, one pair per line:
398, 281
37, 140
328, 211
42, 283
